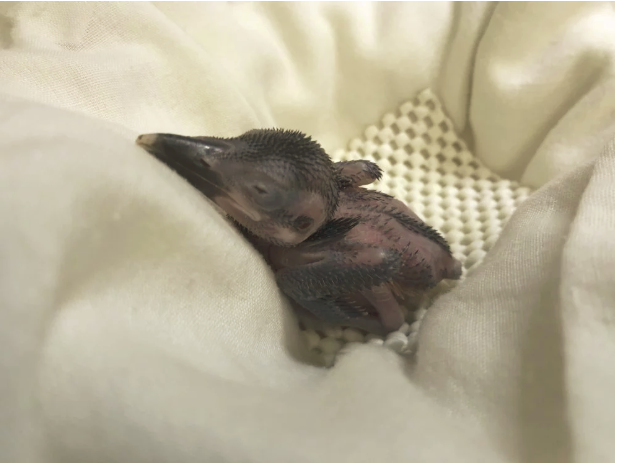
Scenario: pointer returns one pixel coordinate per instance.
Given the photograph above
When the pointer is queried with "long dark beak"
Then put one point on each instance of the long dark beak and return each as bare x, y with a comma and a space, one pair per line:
195, 159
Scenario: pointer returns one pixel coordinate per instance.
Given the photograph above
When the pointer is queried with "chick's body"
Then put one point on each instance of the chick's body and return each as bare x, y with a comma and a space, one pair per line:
373, 256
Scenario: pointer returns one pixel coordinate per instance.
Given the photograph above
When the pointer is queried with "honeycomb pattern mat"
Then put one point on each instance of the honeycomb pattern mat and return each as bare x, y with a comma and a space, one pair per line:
428, 166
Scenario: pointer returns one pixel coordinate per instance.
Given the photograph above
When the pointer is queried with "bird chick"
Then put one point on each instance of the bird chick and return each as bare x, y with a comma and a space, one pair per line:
363, 254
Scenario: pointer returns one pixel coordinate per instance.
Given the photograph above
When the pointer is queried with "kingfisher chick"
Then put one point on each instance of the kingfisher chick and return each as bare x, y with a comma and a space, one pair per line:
343, 254
279, 185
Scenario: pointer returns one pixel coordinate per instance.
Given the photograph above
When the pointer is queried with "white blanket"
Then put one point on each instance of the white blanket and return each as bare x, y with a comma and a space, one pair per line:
137, 326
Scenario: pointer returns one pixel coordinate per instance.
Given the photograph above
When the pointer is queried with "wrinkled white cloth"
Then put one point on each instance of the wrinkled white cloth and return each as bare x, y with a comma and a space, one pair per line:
137, 326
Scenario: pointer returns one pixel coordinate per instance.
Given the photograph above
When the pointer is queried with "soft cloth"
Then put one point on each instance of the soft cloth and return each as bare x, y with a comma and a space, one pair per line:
136, 325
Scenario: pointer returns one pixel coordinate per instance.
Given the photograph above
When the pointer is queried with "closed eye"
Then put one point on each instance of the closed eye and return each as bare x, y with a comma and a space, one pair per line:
265, 196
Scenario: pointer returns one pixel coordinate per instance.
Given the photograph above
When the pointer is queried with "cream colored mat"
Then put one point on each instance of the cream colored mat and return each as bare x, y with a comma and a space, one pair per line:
429, 167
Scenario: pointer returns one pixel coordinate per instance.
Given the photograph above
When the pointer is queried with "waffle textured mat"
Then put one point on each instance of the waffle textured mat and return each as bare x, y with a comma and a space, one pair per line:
428, 166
